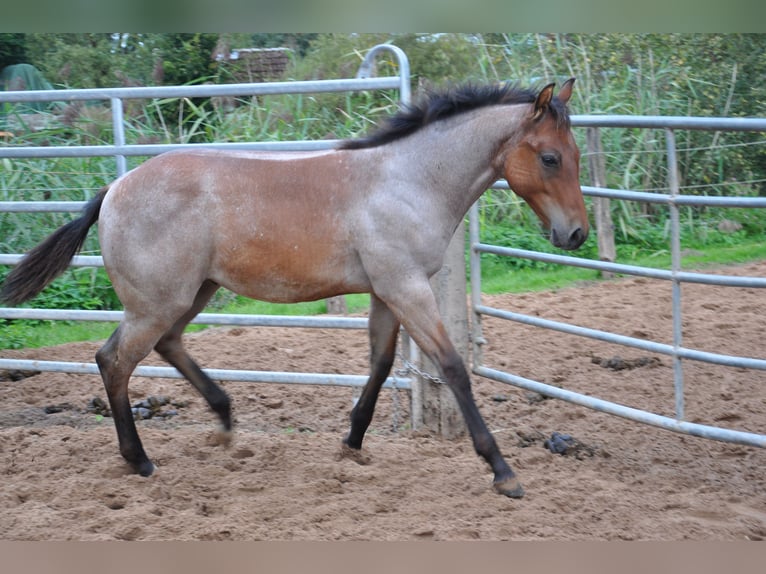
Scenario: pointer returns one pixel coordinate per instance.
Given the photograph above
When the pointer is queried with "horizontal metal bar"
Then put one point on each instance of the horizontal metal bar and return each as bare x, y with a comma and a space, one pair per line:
651, 346
156, 149
77, 260
216, 374
572, 261
695, 429
233, 319
41, 206
668, 122
203, 91
684, 276
651, 197
685, 200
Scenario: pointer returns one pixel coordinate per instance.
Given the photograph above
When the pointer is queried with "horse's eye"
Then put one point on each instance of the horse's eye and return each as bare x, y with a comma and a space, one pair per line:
549, 159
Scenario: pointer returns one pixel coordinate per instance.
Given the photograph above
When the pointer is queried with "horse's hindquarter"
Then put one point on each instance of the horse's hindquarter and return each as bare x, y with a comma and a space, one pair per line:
268, 226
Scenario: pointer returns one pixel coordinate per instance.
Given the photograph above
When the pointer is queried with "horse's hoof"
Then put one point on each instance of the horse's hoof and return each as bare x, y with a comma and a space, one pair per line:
354, 454
510, 487
220, 437
145, 468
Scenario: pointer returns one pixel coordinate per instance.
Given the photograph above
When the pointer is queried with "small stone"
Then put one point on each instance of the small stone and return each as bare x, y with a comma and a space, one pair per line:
273, 403
153, 402
98, 406
533, 398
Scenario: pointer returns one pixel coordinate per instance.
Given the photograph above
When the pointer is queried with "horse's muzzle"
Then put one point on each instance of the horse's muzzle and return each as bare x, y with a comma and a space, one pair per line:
570, 241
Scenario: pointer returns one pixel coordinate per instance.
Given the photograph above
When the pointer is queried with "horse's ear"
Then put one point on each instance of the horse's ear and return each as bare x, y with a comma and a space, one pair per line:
543, 101
566, 91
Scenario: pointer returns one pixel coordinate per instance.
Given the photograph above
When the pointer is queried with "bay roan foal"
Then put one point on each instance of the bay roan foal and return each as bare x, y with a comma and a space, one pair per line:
374, 215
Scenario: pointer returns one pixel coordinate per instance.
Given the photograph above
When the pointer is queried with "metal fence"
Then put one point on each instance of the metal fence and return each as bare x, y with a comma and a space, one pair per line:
674, 199
120, 151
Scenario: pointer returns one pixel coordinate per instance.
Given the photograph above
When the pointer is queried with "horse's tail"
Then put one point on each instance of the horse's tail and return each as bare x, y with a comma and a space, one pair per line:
50, 258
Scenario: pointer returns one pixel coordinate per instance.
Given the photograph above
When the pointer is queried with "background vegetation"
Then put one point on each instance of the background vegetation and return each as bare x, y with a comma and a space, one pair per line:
651, 74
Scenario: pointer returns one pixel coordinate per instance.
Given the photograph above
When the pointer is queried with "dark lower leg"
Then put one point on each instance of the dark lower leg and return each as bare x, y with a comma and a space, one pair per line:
384, 330
116, 375
505, 480
131, 448
361, 415
170, 346
215, 396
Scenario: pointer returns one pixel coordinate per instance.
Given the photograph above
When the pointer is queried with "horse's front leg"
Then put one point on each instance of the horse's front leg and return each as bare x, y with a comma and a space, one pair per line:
415, 306
383, 332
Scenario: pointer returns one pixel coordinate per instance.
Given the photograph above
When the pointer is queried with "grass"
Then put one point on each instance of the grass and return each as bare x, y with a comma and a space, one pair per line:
559, 276
34, 334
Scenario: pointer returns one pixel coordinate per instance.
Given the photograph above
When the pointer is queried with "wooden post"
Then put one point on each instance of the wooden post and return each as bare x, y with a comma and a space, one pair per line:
433, 404
601, 205
337, 305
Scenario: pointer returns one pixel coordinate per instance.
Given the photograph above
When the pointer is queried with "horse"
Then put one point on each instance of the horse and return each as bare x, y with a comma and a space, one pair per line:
373, 214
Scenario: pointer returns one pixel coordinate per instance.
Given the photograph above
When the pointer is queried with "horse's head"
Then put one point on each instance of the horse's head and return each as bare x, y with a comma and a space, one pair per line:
542, 166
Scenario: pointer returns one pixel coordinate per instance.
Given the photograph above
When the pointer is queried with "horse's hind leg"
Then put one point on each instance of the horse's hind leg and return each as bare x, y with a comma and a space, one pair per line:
170, 346
128, 345
384, 329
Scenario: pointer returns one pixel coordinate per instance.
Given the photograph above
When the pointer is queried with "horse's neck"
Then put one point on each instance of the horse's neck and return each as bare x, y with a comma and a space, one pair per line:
457, 158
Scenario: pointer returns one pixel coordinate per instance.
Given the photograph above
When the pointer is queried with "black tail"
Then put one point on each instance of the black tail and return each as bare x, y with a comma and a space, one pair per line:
51, 257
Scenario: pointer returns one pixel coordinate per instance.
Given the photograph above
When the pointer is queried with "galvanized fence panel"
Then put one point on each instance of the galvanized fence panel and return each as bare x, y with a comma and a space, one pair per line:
120, 150
675, 275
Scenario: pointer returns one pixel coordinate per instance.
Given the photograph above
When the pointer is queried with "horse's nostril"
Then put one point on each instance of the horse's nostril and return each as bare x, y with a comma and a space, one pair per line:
577, 238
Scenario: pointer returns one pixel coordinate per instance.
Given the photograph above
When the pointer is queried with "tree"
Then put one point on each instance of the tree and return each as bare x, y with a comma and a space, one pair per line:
187, 58
12, 49
73, 60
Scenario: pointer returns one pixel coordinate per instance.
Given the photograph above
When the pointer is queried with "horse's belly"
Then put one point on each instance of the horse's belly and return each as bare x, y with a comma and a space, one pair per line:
289, 275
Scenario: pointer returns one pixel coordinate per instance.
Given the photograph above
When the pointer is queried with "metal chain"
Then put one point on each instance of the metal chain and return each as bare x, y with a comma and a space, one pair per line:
411, 368
408, 368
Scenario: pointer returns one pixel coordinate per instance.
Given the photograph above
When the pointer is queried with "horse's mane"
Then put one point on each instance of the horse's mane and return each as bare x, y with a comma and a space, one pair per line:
439, 105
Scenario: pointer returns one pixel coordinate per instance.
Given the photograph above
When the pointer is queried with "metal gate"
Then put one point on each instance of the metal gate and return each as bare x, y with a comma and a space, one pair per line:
677, 351
120, 150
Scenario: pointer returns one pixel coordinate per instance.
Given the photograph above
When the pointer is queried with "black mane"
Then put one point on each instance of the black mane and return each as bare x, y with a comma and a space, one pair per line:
443, 104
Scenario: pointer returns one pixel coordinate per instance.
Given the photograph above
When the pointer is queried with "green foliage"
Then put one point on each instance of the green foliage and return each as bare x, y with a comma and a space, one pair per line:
77, 288
12, 49
187, 58
73, 60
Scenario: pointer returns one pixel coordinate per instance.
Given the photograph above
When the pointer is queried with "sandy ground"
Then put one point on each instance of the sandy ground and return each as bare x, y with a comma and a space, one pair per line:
282, 478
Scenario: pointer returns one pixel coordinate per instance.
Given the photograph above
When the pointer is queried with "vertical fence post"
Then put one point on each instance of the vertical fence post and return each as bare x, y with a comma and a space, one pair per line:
118, 128
477, 334
433, 405
675, 267
601, 205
